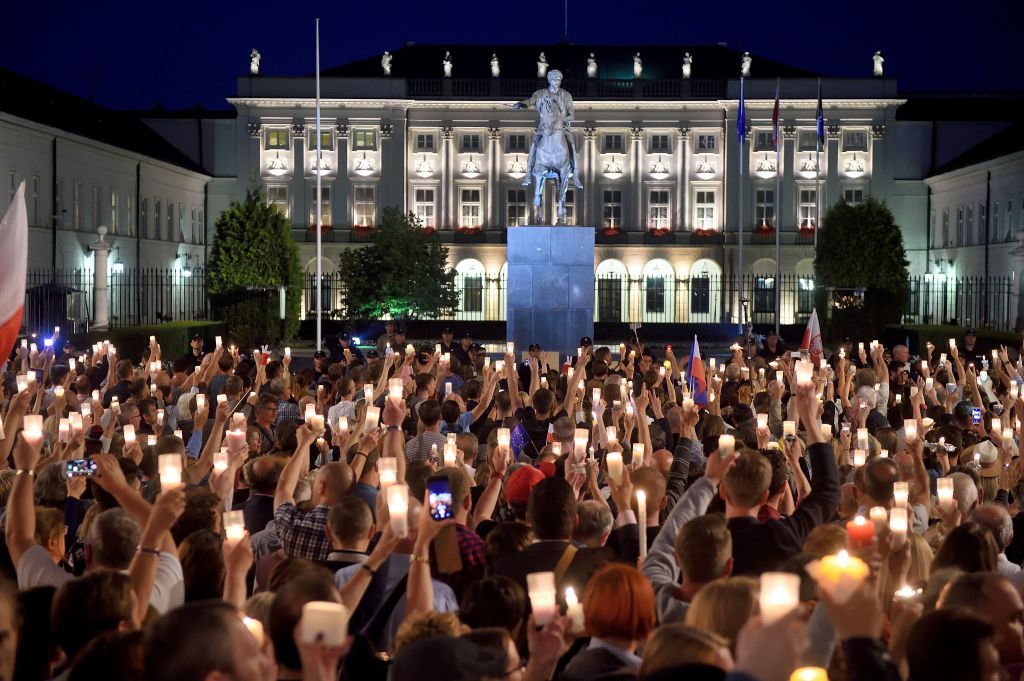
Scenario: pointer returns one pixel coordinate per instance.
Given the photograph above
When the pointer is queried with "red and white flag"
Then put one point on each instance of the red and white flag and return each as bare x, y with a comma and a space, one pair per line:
812, 338
13, 266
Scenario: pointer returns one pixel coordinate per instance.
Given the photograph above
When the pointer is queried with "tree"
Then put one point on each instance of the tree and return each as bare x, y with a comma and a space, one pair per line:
403, 273
253, 254
861, 247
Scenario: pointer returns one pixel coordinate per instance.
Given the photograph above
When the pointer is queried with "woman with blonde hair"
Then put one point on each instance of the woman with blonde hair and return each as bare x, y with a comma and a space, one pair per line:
723, 607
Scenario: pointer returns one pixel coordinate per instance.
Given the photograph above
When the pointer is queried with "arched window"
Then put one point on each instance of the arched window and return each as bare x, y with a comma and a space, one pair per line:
804, 287
764, 290
469, 282
658, 291
705, 284
326, 289
612, 281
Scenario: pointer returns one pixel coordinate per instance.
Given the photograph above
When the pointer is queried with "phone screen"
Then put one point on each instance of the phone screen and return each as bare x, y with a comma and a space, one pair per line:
79, 467
976, 415
439, 498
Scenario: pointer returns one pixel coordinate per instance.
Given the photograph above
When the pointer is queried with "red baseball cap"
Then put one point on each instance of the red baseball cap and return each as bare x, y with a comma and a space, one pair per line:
520, 483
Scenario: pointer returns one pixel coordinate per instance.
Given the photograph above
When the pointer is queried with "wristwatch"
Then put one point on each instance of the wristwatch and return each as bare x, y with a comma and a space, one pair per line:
393, 428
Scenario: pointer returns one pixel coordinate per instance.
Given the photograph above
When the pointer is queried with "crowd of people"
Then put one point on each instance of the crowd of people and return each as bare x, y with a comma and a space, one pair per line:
430, 511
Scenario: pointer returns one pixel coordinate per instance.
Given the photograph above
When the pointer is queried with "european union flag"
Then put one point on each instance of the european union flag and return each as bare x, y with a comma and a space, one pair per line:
519, 439
821, 120
741, 117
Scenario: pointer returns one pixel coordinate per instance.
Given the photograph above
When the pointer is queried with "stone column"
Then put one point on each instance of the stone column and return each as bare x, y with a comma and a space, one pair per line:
585, 204
447, 189
1018, 271
496, 219
682, 177
342, 217
303, 202
100, 287
787, 217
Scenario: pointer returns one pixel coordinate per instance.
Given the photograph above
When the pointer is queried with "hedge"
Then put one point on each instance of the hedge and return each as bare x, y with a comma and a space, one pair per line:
173, 337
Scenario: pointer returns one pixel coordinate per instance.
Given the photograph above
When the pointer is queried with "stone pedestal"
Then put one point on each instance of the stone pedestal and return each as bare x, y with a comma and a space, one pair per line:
100, 288
550, 287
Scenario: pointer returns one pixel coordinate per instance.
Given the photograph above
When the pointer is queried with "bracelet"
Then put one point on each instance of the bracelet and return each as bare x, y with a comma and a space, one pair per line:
391, 429
497, 476
25, 471
366, 566
416, 558
363, 454
148, 552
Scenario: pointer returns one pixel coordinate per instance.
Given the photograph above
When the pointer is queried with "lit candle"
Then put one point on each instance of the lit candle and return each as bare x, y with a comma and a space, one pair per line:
541, 588
860, 347
159, 415
899, 398
842, 353
926, 424
778, 378
556, 449
310, 412
238, 421
217, 342
177, 433
236, 440
33, 426
944, 488
860, 532
504, 437
324, 622
712, 364
762, 421
574, 611
372, 418
641, 519
409, 349
952, 344
368, 392
499, 365
446, 358
220, 459
638, 454
544, 382
809, 674
342, 424
687, 404
826, 431
129, 433
510, 347
595, 396
804, 373
316, 424
614, 462
789, 429
942, 359
726, 445
200, 402
883, 454
255, 628
839, 575
879, 516
910, 429
900, 493
929, 384
859, 457
387, 471
222, 398
170, 470
906, 593
64, 431
613, 435
234, 527
398, 509
449, 454
22, 383
72, 364
580, 438
287, 352
898, 524
779, 595
150, 439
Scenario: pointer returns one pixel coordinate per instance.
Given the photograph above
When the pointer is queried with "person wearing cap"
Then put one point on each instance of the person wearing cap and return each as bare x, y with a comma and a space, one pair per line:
356, 355
194, 356
462, 353
525, 373
386, 338
447, 340
773, 347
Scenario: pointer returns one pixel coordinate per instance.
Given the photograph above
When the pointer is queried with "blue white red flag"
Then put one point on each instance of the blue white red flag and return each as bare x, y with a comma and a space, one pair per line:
775, 119
695, 377
820, 116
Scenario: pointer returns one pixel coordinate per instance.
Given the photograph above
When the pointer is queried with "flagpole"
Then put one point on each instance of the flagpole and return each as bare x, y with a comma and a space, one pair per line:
819, 134
741, 130
319, 203
778, 204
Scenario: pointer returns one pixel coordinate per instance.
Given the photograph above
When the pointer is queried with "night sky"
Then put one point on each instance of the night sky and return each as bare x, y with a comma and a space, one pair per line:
180, 54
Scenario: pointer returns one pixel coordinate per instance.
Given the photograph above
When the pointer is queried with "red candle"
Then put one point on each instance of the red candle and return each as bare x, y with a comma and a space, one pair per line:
860, 532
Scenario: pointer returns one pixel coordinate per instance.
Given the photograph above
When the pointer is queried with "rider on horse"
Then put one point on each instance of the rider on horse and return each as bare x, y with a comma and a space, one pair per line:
551, 102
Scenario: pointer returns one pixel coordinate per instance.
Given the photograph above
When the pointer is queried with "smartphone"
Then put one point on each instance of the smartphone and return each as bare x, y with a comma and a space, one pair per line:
439, 497
976, 415
79, 467
951, 388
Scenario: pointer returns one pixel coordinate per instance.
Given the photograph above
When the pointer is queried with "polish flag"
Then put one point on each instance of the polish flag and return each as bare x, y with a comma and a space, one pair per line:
695, 377
13, 265
812, 338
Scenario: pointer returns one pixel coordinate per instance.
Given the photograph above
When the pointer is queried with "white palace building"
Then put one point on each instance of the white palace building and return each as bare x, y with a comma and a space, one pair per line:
659, 159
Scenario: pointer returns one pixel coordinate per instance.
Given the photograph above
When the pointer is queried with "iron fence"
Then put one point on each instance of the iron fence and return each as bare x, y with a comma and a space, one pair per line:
149, 296
135, 297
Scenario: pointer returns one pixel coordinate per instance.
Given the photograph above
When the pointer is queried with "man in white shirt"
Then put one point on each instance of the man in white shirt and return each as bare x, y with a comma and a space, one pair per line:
997, 519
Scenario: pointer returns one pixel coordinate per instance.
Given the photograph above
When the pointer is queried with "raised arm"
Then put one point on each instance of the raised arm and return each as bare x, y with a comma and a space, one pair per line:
285, 492
21, 514
142, 573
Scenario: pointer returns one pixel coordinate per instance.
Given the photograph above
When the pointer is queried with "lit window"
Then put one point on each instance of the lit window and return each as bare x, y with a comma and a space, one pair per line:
425, 141
808, 211
969, 227
808, 140
704, 211
612, 208
364, 140
170, 221
157, 213
425, 208
277, 138
658, 210
470, 142
764, 208
326, 139
960, 226
982, 224
763, 141
277, 196
764, 294
325, 206
945, 227
613, 143
707, 143
515, 212
365, 207
854, 197
181, 223
95, 208
469, 208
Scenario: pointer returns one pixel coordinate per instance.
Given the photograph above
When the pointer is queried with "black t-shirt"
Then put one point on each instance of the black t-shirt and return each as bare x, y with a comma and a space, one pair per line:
536, 428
